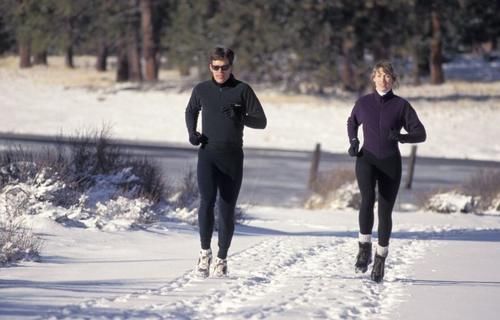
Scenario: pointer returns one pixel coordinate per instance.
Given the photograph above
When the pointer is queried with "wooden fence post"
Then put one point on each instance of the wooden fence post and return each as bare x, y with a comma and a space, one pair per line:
411, 167
313, 173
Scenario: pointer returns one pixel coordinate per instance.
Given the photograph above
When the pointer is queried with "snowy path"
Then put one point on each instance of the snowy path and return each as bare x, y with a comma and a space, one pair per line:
278, 278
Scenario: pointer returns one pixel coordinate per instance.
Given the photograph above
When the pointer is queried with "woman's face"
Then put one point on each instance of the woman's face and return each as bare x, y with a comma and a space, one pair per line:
383, 81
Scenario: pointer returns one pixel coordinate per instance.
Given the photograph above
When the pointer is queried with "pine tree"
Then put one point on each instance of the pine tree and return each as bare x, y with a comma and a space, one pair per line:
6, 34
479, 24
149, 49
31, 21
73, 18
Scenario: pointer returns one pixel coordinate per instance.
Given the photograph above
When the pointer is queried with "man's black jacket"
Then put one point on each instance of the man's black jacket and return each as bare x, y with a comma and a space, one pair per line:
217, 128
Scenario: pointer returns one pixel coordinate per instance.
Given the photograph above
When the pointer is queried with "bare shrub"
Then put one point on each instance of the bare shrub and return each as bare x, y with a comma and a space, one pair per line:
16, 201
485, 184
450, 202
336, 188
422, 197
186, 201
92, 153
480, 192
153, 185
16, 165
187, 193
17, 241
81, 171
65, 197
332, 180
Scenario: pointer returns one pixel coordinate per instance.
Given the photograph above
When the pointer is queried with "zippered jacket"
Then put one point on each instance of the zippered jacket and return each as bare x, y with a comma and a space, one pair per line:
379, 115
218, 129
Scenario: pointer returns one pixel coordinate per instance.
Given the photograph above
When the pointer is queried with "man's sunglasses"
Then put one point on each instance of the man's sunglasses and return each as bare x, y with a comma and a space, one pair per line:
223, 67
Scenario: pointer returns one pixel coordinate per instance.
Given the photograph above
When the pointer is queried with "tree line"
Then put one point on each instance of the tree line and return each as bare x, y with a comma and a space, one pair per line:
306, 45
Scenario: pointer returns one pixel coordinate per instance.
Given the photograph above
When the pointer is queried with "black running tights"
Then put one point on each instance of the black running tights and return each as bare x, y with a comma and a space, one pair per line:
386, 175
222, 171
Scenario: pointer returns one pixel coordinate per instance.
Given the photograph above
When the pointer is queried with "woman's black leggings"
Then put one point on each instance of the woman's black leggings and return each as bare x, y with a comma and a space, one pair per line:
386, 174
219, 169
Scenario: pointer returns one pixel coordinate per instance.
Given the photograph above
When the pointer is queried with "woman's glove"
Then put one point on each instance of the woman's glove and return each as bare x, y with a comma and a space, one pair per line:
354, 148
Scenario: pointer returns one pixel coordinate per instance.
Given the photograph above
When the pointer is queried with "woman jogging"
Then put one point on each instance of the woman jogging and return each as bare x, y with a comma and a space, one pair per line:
382, 115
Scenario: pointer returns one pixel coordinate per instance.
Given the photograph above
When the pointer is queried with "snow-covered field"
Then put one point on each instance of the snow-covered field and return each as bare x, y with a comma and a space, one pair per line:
461, 118
285, 263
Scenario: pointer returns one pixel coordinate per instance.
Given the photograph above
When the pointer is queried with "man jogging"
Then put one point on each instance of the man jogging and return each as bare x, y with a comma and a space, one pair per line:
226, 105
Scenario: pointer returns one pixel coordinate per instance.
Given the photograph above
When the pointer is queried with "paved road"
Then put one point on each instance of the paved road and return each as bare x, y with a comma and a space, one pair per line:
279, 177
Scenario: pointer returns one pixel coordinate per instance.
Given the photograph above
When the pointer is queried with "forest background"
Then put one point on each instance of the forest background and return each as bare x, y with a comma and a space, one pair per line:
307, 46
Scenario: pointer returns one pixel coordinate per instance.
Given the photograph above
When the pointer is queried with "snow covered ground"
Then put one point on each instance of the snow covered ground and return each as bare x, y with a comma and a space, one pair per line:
285, 263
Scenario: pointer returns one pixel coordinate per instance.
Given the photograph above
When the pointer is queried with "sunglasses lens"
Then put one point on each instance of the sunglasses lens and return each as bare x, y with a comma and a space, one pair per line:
223, 68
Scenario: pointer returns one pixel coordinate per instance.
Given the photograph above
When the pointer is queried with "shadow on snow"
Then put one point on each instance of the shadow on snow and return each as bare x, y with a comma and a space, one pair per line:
487, 235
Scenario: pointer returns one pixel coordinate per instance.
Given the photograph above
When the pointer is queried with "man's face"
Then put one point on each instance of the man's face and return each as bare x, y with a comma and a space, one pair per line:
221, 70
383, 81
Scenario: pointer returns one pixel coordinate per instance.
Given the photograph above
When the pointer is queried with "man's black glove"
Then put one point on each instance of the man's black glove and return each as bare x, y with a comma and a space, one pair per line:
196, 138
354, 148
233, 112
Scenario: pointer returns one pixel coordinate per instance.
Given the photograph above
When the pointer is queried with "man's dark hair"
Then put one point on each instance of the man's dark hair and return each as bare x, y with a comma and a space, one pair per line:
221, 53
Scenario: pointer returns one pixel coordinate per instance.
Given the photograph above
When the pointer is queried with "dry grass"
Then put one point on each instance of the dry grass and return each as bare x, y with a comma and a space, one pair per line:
17, 241
484, 184
332, 180
56, 73
84, 75
77, 161
334, 189
452, 89
422, 198
187, 194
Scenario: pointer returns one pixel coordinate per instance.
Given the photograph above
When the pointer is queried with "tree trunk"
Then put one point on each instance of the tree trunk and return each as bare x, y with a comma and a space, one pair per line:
40, 58
184, 69
24, 54
436, 58
69, 57
347, 72
362, 81
133, 53
416, 62
158, 64
134, 60
382, 44
148, 43
102, 57
122, 73
381, 51
69, 45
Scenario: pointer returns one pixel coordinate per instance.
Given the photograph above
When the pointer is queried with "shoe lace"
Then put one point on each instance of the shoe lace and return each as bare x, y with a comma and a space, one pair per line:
204, 261
220, 266
363, 255
378, 265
